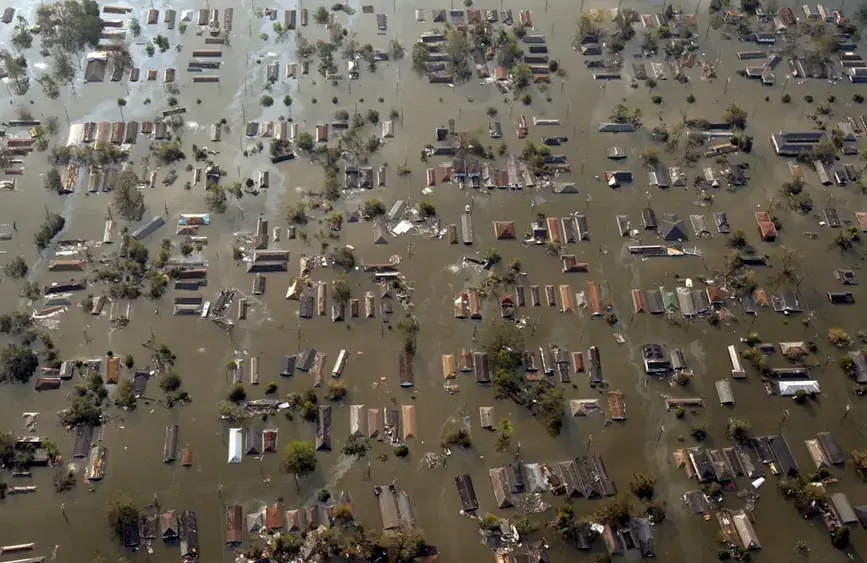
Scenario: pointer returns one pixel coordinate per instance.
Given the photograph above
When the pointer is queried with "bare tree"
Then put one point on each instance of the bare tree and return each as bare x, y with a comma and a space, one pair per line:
128, 199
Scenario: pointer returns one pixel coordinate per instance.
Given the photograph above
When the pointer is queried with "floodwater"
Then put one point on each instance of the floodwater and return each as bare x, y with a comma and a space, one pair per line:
641, 444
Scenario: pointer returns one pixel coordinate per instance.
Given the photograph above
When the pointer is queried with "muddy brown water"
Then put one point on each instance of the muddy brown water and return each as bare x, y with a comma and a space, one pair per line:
642, 444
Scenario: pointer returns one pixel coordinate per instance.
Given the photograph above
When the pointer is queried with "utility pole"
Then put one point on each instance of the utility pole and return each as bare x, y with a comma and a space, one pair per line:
659, 436
785, 416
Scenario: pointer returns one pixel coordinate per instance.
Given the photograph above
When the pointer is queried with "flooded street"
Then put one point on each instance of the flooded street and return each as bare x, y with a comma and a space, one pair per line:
75, 521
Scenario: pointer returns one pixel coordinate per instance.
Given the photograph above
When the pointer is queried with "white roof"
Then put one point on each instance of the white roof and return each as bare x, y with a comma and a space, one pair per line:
789, 388
235, 442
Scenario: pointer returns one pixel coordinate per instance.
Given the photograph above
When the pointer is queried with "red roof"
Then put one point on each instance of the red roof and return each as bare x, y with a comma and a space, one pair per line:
768, 231
274, 517
638, 300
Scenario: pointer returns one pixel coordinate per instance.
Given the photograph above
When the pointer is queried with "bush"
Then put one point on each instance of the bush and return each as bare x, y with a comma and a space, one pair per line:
786, 98
808, 98
401, 451
642, 486
690, 99
858, 98
271, 388
266, 101
698, 432
656, 99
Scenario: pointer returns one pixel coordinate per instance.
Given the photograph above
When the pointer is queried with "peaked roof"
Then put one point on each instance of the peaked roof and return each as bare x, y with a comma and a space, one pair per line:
673, 230
504, 230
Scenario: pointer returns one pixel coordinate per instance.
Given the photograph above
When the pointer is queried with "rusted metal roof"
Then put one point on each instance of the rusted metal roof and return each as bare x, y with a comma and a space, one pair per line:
449, 366
465, 361
555, 230
504, 230
594, 299
566, 302
234, 528
616, 405
578, 362
405, 369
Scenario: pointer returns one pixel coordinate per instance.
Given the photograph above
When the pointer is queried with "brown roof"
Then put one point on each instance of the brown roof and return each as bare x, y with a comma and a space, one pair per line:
504, 230
187, 458
571, 264
715, 295
761, 297
861, 217
578, 361
66, 265
112, 369
408, 421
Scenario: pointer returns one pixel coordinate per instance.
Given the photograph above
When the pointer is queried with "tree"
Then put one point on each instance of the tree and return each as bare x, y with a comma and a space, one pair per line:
299, 459
284, 548
134, 27
215, 199
738, 429
395, 50
736, 116
642, 485
510, 53
305, 142
17, 364
522, 75
420, 56
128, 199
343, 257
21, 36
320, 16
266, 101
170, 381
373, 208
504, 435
52, 180
342, 291
121, 512
121, 103
70, 25
615, 513
336, 390
125, 395
426, 209
236, 393
16, 268
859, 459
